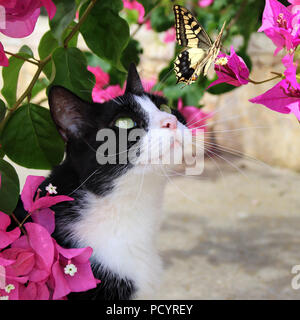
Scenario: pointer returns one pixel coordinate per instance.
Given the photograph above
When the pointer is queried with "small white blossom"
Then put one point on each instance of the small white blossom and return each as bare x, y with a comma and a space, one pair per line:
221, 61
4, 298
70, 269
51, 189
9, 287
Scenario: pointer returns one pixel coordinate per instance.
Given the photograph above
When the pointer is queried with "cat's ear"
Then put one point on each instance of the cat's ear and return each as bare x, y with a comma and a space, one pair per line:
134, 83
68, 112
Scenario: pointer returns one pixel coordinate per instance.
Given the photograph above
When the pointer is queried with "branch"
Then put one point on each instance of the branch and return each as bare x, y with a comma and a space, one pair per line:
20, 57
80, 22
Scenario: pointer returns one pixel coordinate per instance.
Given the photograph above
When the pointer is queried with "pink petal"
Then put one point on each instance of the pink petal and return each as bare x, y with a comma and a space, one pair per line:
106, 94
29, 190
4, 221
134, 5
82, 280
41, 242
21, 28
42, 292
45, 217
29, 292
7, 238
276, 99
82, 255
8, 3
24, 263
37, 275
6, 262
272, 9
3, 59
205, 3
48, 201
61, 286
170, 35
102, 78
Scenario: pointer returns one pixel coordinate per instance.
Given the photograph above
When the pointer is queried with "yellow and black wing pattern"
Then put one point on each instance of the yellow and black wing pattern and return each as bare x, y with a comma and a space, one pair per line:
190, 34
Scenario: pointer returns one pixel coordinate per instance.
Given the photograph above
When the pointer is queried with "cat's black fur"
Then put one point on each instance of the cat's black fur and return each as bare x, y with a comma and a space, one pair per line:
77, 172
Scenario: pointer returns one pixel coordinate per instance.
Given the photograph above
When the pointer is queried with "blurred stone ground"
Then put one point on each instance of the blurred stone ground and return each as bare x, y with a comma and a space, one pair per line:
231, 233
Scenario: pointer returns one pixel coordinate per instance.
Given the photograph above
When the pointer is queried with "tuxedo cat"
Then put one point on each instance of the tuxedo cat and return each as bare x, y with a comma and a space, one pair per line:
117, 206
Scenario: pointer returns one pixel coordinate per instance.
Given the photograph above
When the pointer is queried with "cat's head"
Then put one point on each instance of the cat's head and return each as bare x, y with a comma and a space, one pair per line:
135, 130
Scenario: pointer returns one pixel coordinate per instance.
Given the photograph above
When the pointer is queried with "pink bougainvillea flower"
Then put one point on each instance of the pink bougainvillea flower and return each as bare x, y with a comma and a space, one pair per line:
32, 204
231, 69
37, 206
3, 59
6, 238
205, 3
21, 16
103, 92
195, 117
170, 35
71, 272
278, 25
39, 242
31, 257
106, 94
284, 97
134, 5
102, 78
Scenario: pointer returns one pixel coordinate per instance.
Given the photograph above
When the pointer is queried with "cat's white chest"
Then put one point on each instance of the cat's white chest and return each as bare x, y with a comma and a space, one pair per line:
121, 228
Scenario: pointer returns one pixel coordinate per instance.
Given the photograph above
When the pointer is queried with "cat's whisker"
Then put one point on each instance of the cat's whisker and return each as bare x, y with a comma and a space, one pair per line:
217, 121
179, 190
90, 176
162, 81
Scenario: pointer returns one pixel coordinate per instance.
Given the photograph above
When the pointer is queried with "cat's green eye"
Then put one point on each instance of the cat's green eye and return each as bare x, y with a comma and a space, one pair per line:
125, 123
165, 108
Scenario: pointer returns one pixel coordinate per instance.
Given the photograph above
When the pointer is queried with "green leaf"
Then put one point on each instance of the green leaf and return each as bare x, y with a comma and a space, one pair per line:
40, 85
131, 16
47, 45
71, 72
221, 88
161, 19
65, 14
31, 140
10, 77
2, 110
95, 61
9, 188
131, 53
105, 32
147, 4
27, 50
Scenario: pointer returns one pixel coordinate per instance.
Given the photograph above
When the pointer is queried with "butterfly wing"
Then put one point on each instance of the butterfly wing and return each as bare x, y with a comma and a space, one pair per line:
186, 64
189, 32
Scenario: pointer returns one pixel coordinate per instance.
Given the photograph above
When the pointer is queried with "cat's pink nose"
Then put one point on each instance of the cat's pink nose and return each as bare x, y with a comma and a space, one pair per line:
169, 122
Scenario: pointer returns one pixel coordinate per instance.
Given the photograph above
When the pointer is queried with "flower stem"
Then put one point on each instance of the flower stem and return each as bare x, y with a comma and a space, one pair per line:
267, 80
80, 22
18, 223
145, 19
21, 58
